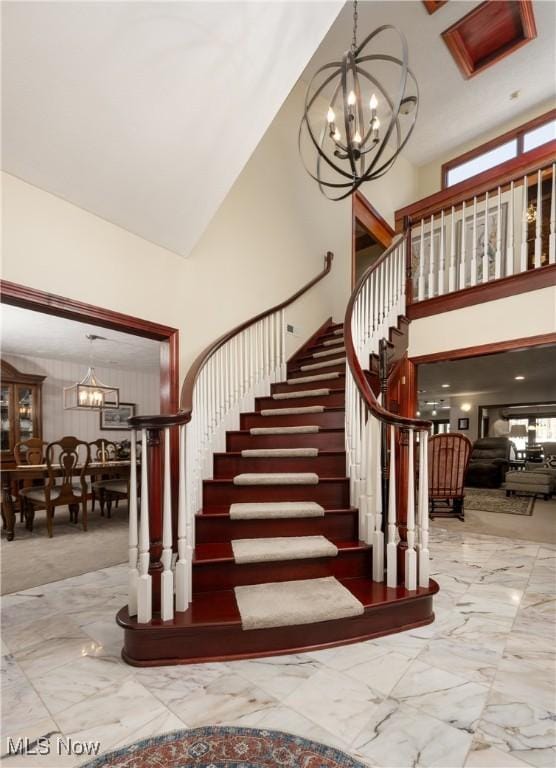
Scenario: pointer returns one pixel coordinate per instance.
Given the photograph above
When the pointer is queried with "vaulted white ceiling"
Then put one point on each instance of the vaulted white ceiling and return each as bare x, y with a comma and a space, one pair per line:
144, 113
452, 110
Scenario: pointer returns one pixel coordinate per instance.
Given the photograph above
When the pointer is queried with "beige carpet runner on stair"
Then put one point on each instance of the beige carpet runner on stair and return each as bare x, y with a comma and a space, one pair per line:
332, 342
328, 352
301, 393
325, 364
271, 510
278, 453
282, 548
292, 411
287, 603
276, 478
315, 377
308, 429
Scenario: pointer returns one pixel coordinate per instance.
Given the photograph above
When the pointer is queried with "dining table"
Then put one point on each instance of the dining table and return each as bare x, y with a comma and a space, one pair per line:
14, 474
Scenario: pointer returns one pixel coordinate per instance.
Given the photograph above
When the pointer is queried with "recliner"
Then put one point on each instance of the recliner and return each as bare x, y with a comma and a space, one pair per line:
489, 462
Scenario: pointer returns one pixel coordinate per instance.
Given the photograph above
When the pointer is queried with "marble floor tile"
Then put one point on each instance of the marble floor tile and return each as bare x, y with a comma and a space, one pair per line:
227, 699
116, 716
56, 626
519, 728
336, 702
38, 748
372, 664
471, 661
397, 735
484, 756
527, 679
43, 657
21, 705
452, 699
278, 675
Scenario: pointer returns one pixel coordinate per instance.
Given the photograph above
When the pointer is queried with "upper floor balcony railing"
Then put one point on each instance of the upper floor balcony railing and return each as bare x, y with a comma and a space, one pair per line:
469, 236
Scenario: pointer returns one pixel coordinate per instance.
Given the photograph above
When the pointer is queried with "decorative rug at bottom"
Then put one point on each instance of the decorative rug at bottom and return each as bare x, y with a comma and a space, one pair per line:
225, 747
495, 500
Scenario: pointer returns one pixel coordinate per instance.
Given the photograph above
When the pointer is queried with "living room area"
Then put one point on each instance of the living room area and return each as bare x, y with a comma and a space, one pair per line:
505, 405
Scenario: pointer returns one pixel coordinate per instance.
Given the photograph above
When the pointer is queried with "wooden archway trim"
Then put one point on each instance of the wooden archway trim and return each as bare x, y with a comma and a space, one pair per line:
371, 219
40, 301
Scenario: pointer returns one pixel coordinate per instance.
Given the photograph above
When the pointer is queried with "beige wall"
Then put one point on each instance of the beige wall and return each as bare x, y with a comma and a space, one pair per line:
428, 176
515, 317
267, 239
139, 387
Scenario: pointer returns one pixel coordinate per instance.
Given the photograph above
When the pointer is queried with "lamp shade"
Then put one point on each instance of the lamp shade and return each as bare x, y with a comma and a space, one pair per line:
518, 430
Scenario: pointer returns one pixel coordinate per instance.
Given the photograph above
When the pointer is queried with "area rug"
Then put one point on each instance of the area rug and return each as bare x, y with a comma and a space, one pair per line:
221, 747
495, 500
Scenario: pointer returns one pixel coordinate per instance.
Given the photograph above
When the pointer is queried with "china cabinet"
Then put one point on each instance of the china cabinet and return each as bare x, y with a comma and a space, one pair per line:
20, 409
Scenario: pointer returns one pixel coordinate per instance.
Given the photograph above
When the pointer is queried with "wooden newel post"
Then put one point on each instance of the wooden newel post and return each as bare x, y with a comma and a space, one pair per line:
154, 460
403, 465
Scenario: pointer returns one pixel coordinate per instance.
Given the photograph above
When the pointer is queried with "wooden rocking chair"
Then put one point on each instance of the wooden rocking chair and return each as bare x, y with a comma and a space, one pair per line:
448, 459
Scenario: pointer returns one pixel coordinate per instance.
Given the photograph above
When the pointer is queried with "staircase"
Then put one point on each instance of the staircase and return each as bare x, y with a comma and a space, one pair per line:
280, 562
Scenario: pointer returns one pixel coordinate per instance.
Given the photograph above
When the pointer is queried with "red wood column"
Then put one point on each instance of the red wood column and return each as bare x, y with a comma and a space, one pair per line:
154, 459
408, 407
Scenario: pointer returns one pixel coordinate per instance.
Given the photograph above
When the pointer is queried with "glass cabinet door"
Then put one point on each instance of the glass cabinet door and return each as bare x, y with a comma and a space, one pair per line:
25, 412
5, 405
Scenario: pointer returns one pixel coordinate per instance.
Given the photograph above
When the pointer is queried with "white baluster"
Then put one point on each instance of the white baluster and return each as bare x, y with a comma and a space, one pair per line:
378, 538
402, 278
498, 258
538, 228
182, 569
430, 287
510, 244
369, 482
474, 245
463, 260
441, 256
410, 554
524, 228
423, 512
452, 270
133, 573
392, 546
421, 281
552, 235
144, 584
485, 244
283, 345
167, 576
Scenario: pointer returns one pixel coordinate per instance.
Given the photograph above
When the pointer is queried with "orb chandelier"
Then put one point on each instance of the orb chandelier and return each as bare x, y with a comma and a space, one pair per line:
359, 114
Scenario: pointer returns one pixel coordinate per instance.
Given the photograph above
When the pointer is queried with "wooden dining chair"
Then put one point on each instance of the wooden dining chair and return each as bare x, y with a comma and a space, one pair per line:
102, 450
28, 452
114, 489
67, 461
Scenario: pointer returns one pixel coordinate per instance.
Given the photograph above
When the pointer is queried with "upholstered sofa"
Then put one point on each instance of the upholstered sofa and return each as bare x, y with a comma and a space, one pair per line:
489, 462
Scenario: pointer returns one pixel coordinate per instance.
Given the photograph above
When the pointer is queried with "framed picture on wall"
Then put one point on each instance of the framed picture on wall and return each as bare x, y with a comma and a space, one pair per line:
116, 418
463, 424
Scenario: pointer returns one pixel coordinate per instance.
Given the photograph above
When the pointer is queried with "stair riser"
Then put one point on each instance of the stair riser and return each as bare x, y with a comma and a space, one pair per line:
331, 441
152, 646
325, 466
309, 358
325, 419
330, 494
333, 400
217, 576
337, 526
294, 369
320, 346
338, 383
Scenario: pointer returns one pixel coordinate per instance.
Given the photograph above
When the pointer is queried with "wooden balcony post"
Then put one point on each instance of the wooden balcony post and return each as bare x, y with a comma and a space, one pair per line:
154, 459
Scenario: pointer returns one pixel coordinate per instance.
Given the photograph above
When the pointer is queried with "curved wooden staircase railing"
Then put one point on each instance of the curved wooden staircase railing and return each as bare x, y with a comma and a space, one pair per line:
375, 437
222, 382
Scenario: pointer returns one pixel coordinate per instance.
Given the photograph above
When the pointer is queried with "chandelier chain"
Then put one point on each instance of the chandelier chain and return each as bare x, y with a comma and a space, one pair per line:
355, 19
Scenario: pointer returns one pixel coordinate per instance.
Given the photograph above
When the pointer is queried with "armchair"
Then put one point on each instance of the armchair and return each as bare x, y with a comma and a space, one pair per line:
488, 463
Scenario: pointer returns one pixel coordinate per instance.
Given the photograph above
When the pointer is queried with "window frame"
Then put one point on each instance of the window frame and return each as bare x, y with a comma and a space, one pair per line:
515, 133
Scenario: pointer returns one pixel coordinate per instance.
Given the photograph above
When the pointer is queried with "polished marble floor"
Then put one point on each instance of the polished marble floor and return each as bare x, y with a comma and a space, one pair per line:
474, 689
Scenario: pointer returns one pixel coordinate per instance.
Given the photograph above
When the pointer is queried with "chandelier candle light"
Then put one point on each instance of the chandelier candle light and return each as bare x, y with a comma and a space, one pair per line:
365, 128
90, 393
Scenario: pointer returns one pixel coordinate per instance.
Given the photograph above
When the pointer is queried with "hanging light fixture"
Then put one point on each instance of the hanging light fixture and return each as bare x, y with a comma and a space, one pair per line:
90, 393
359, 114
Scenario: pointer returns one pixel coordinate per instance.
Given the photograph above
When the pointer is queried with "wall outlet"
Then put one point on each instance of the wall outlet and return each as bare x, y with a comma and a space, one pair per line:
293, 329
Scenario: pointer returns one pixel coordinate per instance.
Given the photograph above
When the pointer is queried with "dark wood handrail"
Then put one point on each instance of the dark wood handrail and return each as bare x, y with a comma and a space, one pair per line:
186, 400
359, 377
476, 186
